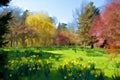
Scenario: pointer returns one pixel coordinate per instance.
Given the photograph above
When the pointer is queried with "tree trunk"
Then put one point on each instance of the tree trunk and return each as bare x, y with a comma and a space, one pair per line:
92, 46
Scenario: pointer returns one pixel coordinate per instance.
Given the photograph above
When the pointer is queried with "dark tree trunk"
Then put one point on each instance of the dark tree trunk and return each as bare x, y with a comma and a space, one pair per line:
92, 46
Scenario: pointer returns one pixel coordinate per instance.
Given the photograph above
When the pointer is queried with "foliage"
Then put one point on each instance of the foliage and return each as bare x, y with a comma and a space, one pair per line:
66, 35
23, 33
85, 20
3, 28
4, 20
28, 65
4, 2
62, 37
109, 20
20, 33
3, 61
62, 62
116, 75
79, 71
45, 28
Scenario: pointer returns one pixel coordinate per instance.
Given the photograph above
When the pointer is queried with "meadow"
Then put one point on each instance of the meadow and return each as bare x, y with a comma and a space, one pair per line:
60, 63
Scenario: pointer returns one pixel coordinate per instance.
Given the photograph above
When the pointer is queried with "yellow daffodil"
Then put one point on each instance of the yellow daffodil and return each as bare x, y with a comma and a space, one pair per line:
10, 75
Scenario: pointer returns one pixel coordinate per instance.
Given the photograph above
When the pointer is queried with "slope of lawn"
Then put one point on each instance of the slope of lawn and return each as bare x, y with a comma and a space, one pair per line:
54, 57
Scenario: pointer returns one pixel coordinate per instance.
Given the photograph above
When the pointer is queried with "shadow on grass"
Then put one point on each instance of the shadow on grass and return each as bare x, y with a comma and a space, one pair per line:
108, 78
94, 52
13, 54
48, 55
54, 74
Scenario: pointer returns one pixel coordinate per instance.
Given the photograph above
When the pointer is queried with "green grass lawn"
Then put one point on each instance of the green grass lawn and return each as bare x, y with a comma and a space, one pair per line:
98, 56
58, 56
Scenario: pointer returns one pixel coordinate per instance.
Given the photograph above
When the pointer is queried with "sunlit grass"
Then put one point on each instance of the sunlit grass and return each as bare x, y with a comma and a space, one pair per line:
98, 56
39, 56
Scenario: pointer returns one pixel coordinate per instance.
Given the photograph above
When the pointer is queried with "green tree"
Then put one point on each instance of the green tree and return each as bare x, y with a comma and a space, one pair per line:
4, 2
3, 30
4, 20
62, 27
85, 21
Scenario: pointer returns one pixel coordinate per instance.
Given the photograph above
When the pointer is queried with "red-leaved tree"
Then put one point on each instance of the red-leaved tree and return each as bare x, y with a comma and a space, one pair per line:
106, 26
62, 39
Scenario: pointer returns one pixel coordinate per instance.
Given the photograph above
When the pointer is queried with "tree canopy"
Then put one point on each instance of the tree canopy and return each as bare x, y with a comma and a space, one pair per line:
106, 26
85, 20
4, 2
45, 28
4, 23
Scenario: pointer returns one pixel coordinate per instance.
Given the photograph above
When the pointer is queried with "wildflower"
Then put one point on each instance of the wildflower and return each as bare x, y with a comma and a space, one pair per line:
48, 62
34, 68
34, 56
38, 68
31, 60
80, 75
92, 72
12, 61
21, 64
83, 65
28, 65
82, 69
39, 61
63, 66
65, 77
50, 57
70, 74
96, 75
30, 69
88, 66
10, 75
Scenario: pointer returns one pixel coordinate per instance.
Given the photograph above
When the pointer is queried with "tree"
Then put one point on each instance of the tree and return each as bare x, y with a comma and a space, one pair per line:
45, 28
20, 33
4, 2
107, 24
25, 32
112, 24
62, 28
3, 30
85, 20
96, 30
73, 36
62, 36
14, 24
62, 39
3, 24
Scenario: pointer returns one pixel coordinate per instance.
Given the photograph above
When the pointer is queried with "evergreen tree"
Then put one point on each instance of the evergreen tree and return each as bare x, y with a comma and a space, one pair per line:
85, 21
4, 20
4, 2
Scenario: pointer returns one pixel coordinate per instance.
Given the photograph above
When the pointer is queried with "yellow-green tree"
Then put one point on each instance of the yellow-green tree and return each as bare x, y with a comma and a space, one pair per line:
45, 28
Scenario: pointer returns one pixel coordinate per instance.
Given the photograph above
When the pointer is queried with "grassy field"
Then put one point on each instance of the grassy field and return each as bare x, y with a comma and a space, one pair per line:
45, 63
